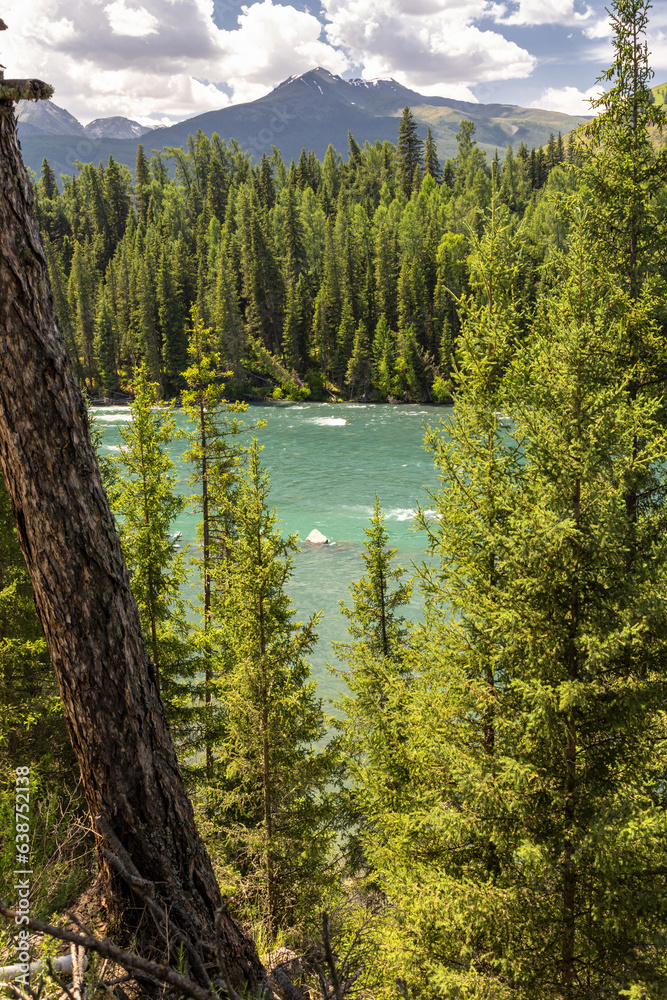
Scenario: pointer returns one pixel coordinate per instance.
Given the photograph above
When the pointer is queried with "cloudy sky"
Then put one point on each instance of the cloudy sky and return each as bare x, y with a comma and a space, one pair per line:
165, 60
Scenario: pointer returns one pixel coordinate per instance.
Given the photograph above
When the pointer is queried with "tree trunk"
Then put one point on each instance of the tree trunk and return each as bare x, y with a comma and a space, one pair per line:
107, 681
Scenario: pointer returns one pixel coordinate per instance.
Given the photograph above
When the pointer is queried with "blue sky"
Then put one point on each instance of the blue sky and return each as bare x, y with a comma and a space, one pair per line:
165, 60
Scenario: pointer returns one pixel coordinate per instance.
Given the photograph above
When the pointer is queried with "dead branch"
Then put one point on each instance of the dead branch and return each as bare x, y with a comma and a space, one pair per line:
78, 984
329, 957
145, 890
286, 984
402, 985
105, 948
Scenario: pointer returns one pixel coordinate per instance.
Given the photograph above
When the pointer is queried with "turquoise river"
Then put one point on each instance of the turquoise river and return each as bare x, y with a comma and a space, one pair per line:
326, 461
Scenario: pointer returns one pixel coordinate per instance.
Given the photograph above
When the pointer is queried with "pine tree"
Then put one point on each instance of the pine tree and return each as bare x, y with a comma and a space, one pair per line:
141, 184
214, 455
431, 162
358, 376
49, 185
105, 345
276, 777
409, 152
376, 659
146, 501
171, 321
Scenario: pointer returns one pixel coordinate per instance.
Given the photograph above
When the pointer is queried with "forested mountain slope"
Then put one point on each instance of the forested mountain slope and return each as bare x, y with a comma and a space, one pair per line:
324, 278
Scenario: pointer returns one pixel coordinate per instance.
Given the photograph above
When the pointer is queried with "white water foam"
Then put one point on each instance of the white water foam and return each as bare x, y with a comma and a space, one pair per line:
328, 421
400, 514
408, 514
111, 417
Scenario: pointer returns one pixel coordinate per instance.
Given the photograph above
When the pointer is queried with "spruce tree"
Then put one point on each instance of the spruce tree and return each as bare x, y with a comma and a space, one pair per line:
358, 376
146, 319
49, 185
386, 273
345, 340
227, 319
171, 321
104, 345
376, 664
383, 358
276, 775
622, 165
82, 285
534, 732
409, 152
431, 162
141, 184
146, 501
214, 456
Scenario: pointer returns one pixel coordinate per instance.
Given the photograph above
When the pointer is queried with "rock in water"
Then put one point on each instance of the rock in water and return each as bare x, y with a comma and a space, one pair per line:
316, 538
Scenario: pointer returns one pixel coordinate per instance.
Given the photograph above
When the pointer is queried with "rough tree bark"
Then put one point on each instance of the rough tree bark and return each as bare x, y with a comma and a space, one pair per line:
107, 680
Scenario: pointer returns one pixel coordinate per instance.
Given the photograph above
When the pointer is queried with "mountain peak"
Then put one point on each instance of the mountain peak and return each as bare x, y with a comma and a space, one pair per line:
116, 127
312, 78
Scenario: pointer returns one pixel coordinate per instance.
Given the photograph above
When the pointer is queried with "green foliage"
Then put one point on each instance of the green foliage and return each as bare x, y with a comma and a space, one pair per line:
623, 168
32, 727
370, 724
215, 456
62, 856
532, 729
283, 265
273, 814
146, 502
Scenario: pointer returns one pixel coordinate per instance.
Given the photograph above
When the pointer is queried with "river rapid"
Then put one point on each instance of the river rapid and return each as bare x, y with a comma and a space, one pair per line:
326, 461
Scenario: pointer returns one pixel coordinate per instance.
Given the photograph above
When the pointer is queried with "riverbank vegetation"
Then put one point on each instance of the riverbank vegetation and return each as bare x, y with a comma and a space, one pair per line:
487, 814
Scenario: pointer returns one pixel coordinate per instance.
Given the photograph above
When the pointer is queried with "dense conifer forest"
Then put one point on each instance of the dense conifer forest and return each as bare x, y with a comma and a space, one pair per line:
485, 814
319, 279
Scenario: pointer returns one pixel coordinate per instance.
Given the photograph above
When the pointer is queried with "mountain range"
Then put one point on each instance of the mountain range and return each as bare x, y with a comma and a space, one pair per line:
307, 111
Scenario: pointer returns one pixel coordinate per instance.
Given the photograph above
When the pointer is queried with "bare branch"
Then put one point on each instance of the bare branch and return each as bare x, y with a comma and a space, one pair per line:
160, 973
106, 830
329, 957
78, 985
145, 890
402, 985
286, 984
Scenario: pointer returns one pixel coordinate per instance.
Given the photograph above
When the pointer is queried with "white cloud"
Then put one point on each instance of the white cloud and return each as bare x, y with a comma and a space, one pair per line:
598, 29
134, 21
569, 100
426, 44
536, 12
272, 43
150, 57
